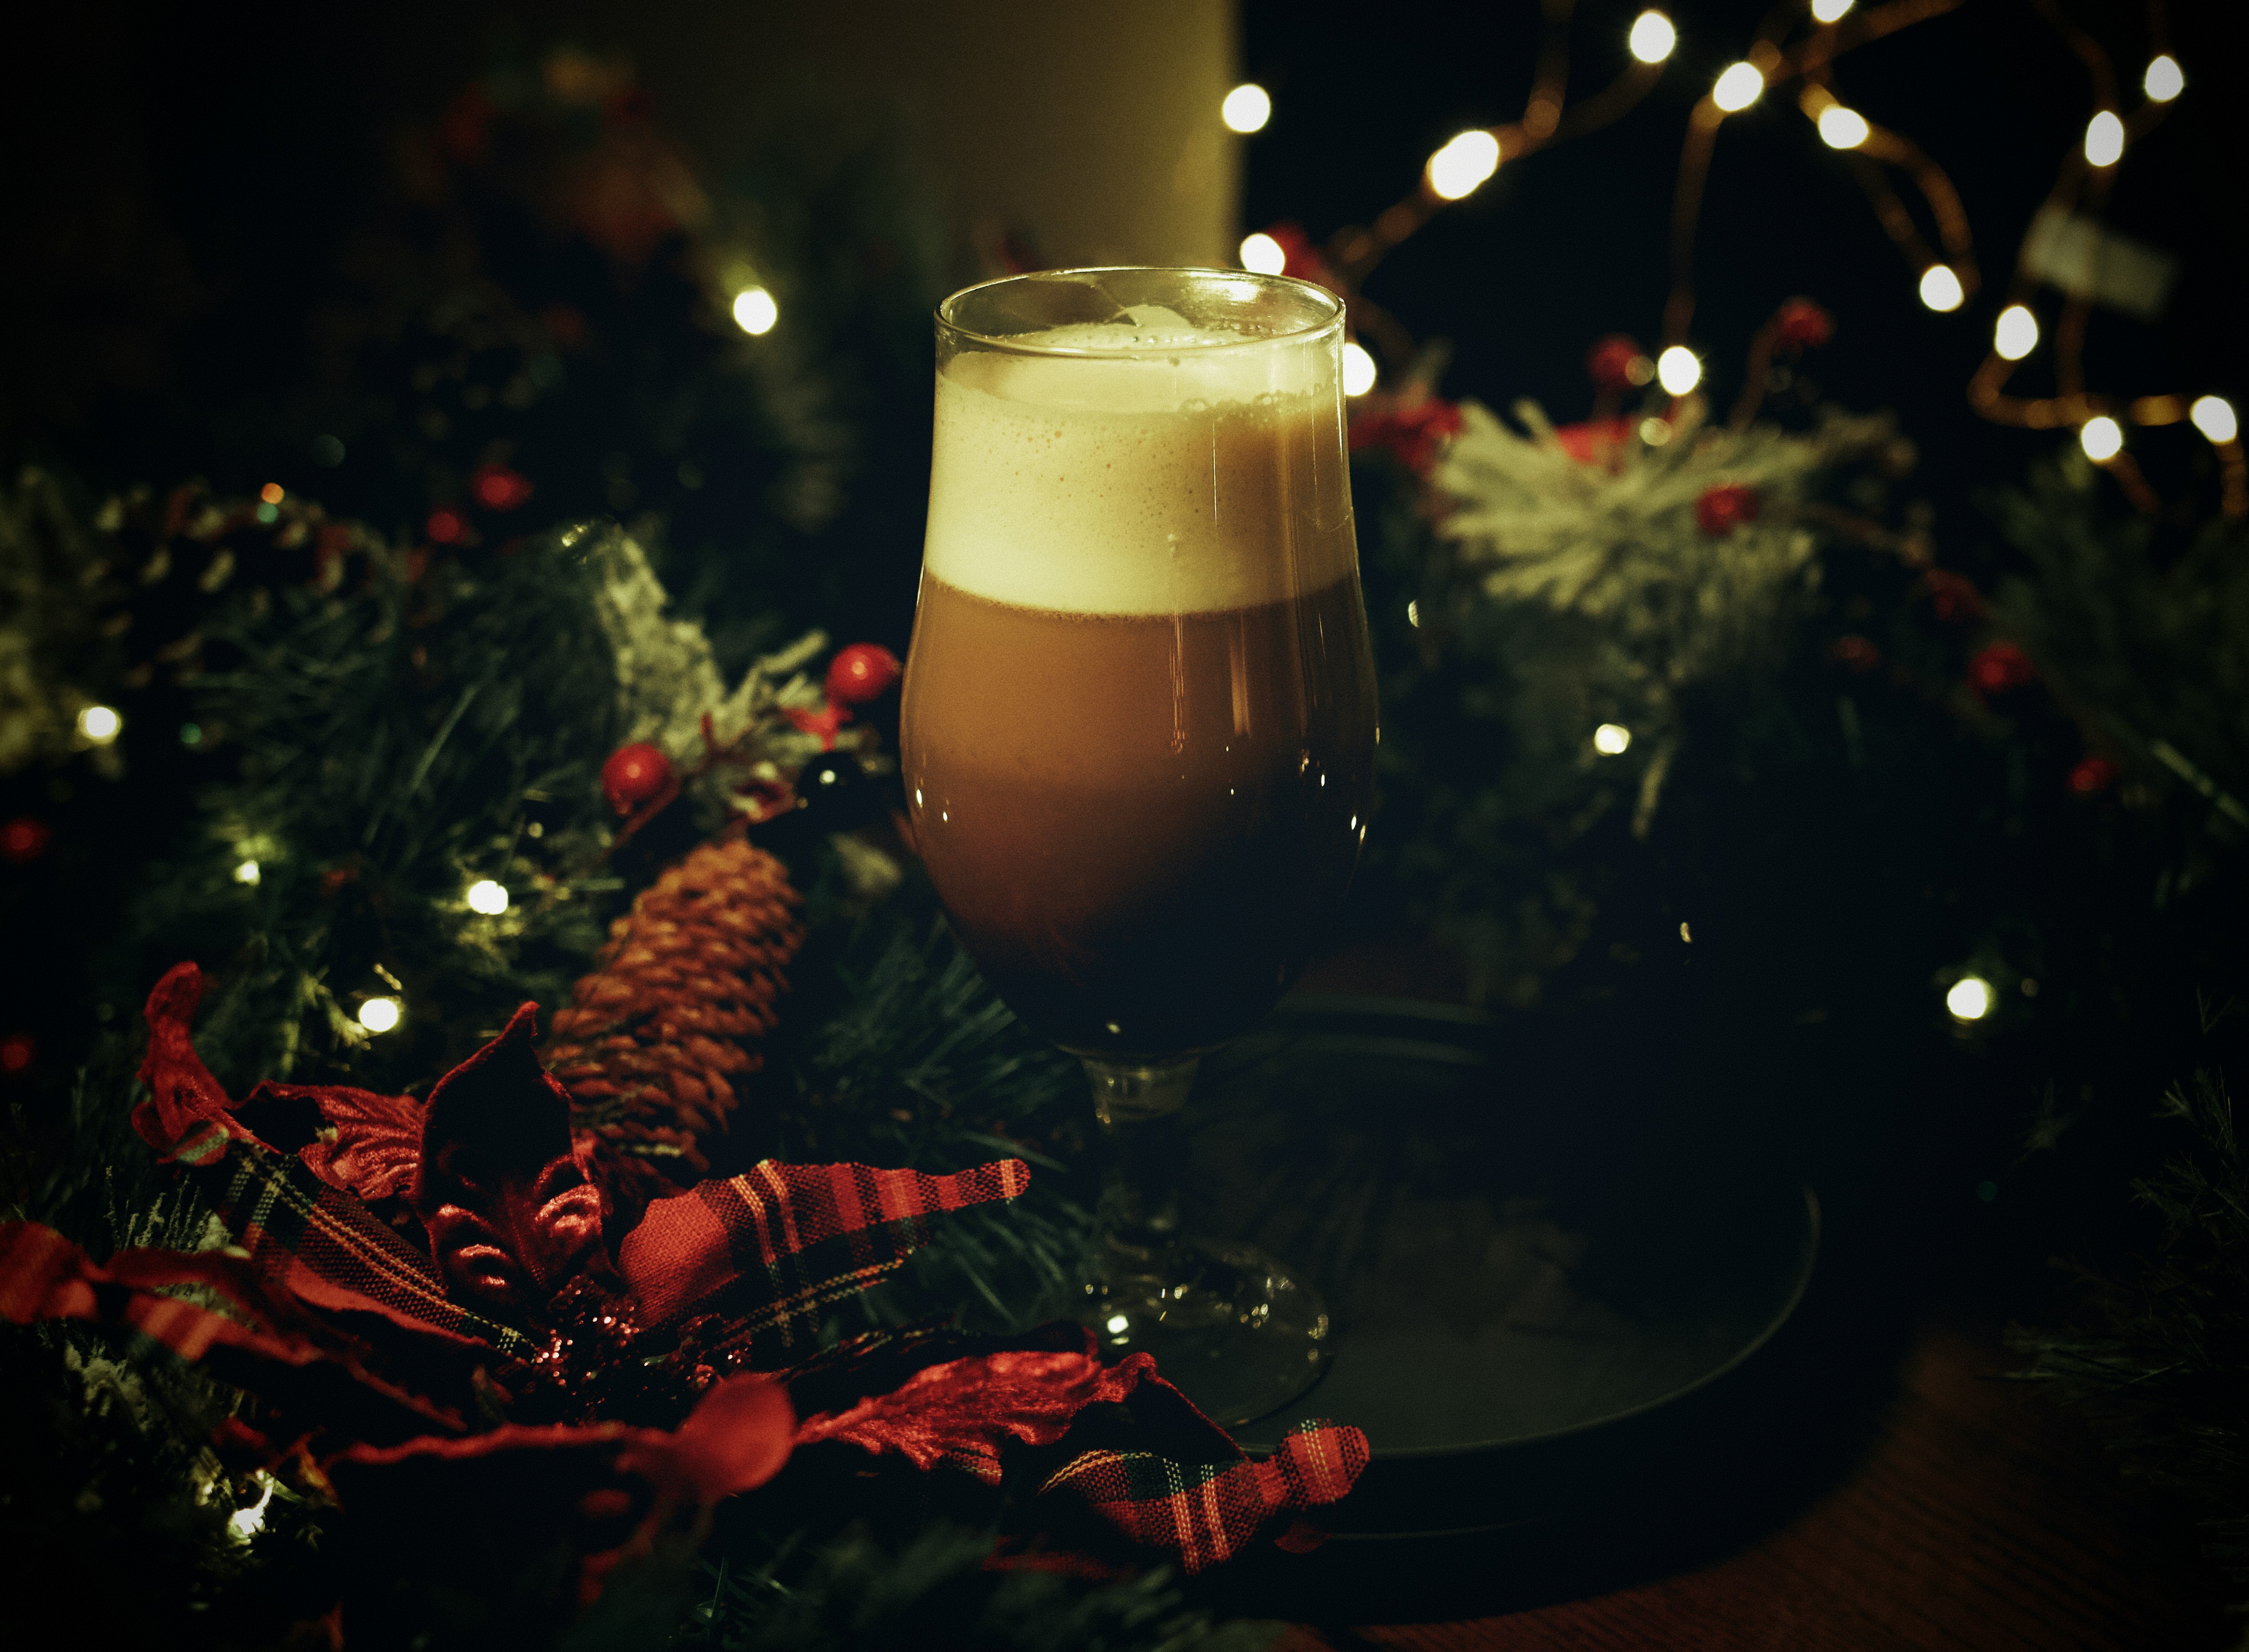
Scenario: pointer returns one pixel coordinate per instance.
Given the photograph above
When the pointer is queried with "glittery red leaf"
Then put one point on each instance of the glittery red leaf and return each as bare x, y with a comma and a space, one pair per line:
963, 1412
367, 1143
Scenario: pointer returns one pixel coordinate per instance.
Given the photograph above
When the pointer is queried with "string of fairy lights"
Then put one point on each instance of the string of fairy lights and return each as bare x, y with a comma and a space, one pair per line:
2065, 252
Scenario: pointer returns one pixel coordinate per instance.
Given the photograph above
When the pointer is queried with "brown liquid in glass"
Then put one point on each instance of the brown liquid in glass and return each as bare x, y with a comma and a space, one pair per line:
1140, 825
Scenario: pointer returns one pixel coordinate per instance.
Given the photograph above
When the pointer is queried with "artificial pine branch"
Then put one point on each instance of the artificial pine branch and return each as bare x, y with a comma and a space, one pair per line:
2162, 1356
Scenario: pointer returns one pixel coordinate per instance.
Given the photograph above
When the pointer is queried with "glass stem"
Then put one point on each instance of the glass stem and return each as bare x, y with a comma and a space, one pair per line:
1139, 1106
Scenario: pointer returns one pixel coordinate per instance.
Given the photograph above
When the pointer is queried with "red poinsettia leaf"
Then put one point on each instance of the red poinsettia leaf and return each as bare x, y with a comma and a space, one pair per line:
187, 1117
510, 1212
737, 1438
963, 1412
366, 1144
279, 1352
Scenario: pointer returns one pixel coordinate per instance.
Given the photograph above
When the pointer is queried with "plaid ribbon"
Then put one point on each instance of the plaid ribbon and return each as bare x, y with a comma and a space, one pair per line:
790, 1239
303, 1234
766, 1251
1205, 1512
263, 1342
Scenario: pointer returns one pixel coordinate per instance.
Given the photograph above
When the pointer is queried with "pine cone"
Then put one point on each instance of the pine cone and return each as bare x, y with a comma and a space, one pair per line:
653, 1039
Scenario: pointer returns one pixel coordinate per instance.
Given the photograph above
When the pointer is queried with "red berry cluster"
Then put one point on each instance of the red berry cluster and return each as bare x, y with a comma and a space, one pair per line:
1725, 508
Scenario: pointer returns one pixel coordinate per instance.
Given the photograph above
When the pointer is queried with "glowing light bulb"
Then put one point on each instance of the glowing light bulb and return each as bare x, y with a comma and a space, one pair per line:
272, 494
1652, 36
1357, 371
1941, 289
244, 1523
1654, 431
247, 874
1262, 255
1611, 738
99, 724
1970, 998
1119, 1321
2102, 438
2016, 334
1247, 108
1741, 84
1459, 168
2104, 139
1829, 10
2214, 416
487, 896
1678, 370
379, 1014
1842, 129
755, 311
2164, 80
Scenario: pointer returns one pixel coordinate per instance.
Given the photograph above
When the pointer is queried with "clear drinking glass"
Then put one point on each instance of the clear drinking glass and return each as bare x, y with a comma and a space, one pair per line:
1139, 725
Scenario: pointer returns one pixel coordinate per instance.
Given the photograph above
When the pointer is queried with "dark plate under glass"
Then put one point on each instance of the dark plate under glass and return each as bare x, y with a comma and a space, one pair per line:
1538, 1248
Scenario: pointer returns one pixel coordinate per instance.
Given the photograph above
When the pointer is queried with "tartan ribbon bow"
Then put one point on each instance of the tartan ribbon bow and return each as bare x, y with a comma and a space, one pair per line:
402, 1271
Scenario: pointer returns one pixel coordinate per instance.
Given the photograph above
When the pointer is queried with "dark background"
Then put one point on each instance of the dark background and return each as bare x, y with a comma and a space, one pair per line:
178, 179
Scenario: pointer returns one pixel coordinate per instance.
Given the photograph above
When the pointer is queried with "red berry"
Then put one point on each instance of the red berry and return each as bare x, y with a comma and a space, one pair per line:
1616, 363
1801, 325
2092, 775
498, 488
1725, 508
2000, 667
861, 672
1606, 437
25, 838
634, 775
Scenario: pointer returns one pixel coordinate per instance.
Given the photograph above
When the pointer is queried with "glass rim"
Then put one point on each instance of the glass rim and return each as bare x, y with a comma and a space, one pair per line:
1014, 344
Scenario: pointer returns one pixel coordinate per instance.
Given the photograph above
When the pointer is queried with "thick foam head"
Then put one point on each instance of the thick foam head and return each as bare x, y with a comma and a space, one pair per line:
1162, 469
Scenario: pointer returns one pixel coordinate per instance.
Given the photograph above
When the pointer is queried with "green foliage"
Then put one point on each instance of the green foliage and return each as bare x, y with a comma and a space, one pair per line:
398, 742
2146, 645
931, 1591
2161, 1353
903, 1055
1553, 592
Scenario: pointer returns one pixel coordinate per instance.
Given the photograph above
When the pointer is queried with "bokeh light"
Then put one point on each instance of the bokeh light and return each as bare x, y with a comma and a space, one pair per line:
1970, 998
1247, 108
1612, 739
1678, 370
1941, 289
1842, 129
1652, 36
1263, 255
1358, 373
379, 1014
2214, 416
2016, 333
1741, 84
2103, 439
487, 896
2104, 139
755, 311
1457, 169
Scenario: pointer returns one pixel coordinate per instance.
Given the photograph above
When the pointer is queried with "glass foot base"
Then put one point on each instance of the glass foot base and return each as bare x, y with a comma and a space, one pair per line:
1228, 1325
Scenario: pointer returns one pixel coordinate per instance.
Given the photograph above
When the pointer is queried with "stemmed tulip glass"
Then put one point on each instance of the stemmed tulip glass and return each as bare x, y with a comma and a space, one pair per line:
1138, 729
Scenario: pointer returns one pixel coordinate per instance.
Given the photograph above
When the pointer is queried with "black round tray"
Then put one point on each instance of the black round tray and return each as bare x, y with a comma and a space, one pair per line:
1536, 1250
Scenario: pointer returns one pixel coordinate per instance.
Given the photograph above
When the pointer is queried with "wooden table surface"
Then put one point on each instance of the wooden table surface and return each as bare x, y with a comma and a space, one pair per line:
1978, 1517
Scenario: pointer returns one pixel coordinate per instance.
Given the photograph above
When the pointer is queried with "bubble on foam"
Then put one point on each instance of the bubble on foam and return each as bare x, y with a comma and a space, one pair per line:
1147, 327
1150, 484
